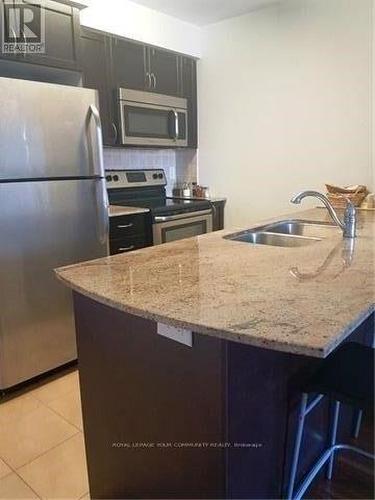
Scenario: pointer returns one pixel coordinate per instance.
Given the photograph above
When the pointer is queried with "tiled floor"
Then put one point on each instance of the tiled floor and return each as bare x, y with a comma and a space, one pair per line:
41, 443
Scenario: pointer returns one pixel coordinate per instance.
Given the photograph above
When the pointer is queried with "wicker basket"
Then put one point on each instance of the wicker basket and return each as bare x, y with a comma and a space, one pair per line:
338, 196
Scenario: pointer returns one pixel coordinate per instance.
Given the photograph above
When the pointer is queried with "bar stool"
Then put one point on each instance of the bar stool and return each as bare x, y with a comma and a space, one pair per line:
346, 376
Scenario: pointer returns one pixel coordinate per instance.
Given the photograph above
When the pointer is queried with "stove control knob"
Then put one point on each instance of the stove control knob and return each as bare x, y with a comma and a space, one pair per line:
108, 178
154, 176
115, 178
160, 176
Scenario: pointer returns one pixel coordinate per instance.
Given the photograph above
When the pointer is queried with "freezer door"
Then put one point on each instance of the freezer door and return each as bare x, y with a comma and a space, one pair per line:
46, 131
43, 225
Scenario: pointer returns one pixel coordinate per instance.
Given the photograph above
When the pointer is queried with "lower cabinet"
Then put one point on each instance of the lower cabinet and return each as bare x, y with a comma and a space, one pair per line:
129, 232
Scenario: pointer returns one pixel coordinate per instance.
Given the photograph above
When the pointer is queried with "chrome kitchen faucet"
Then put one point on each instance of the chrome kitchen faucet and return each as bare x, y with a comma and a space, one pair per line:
348, 225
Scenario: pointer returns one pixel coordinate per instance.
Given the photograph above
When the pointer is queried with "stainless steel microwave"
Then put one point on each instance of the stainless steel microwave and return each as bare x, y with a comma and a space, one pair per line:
149, 119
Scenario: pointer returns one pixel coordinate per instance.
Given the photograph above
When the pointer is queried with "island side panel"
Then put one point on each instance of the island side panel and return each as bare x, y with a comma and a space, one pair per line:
256, 414
139, 387
259, 382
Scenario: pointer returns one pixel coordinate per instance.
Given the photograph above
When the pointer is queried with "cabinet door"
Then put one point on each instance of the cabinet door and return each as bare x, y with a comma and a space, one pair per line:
61, 36
129, 232
8, 31
189, 90
128, 64
218, 215
95, 73
164, 68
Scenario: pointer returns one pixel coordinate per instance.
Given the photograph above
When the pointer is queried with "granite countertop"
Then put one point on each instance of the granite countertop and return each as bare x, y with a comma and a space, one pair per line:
117, 210
302, 300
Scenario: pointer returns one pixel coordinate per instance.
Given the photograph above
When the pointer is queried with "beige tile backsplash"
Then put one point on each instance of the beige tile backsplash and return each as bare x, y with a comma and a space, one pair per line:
180, 165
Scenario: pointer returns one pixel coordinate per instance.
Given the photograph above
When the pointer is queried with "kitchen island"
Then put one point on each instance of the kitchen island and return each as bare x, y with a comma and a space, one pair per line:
208, 410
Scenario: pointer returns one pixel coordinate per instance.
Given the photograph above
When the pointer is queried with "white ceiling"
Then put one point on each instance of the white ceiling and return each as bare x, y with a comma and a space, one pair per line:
202, 12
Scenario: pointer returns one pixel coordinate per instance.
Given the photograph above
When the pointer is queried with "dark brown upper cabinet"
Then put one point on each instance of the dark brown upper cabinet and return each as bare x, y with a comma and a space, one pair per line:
189, 90
109, 62
128, 64
61, 36
137, 66
3, 24
163, 70
188, 77
95, 54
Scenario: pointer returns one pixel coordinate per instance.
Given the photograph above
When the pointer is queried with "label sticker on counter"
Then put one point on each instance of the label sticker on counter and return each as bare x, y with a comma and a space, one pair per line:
177, 334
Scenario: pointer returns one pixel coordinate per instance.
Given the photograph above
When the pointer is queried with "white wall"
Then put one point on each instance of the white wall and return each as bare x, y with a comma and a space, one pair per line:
134, 21
284, 97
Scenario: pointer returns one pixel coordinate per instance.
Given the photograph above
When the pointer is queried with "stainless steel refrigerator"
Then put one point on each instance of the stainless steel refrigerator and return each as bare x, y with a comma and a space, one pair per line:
53, 212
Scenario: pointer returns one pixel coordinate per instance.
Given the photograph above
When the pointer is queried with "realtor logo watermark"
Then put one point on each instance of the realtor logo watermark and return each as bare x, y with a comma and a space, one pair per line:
23, 27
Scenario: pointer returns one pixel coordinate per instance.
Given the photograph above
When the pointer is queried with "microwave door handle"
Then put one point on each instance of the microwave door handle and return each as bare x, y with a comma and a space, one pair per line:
176, 125
103, 206
173, 123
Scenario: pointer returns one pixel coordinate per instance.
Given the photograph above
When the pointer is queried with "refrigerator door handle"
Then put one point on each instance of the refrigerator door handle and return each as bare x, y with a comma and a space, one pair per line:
103, 208
94, 112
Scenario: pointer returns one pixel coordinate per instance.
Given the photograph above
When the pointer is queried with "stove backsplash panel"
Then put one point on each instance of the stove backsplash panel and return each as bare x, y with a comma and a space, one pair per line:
180, 165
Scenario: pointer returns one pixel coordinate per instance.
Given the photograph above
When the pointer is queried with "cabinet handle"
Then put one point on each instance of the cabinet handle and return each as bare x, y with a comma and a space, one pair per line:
124, 226
126, 249
148, 80
114, 128
153, 78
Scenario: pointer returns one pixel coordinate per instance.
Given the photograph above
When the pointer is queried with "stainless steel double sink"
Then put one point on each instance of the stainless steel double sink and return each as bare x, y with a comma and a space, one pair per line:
287, 233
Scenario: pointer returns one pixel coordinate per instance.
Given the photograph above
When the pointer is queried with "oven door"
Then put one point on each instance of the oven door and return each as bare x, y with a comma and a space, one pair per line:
177, 227
152, 125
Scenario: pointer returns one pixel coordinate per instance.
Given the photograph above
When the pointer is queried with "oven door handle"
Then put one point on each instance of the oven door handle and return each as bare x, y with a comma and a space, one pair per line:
186, 215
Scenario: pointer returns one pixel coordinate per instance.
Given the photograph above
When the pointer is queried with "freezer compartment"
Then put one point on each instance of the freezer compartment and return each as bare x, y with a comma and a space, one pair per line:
43, 225
47, 131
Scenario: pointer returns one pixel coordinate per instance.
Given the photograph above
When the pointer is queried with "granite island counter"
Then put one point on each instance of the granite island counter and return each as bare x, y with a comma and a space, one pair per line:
260, 318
